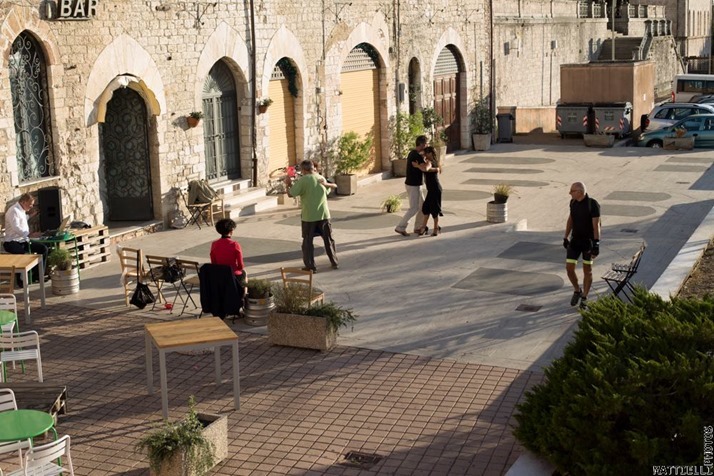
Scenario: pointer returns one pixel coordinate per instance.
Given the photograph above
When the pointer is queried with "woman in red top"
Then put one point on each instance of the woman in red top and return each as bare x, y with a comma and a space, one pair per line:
227, 251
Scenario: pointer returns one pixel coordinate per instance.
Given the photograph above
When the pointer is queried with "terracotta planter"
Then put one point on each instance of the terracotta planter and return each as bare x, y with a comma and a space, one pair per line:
481, 141
192, 121
262, 109
599, 140
678, 143
305, 332
215, 431
346, 184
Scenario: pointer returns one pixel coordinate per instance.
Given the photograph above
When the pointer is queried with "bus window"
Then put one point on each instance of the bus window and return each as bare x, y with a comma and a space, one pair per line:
687, 86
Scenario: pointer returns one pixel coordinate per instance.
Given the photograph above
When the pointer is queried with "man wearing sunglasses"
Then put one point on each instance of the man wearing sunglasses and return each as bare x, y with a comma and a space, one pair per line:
582, 237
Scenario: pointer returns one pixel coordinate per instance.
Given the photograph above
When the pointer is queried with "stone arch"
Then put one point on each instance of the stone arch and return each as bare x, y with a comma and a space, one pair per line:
20, 19
224, 43
123, 56
449, 37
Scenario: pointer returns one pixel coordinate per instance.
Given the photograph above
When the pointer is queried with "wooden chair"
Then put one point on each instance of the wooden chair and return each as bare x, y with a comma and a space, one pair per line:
8, 402
20, 346
301, 277
49, 459
189, 281
7, 280
155, 272
129, 259
205, 211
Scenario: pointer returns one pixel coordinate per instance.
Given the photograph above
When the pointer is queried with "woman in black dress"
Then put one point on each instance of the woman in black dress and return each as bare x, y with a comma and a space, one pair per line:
432, 203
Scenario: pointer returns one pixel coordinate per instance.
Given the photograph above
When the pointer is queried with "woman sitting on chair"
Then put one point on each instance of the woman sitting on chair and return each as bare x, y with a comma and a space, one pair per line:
227, 251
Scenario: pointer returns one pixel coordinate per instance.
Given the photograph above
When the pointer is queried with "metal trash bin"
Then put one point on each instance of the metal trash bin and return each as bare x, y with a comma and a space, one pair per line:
572, 118
506, 124
613, 118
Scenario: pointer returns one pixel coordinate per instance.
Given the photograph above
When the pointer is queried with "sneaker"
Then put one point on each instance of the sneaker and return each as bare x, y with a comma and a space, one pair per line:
314, 270
576, 297
401, 232
583, 303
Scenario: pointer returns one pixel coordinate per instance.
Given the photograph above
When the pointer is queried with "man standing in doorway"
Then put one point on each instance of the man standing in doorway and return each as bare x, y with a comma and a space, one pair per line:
584, 224
315, 216
413, 183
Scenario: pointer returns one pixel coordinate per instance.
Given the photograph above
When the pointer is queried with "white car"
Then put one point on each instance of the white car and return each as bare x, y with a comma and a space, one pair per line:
667, 114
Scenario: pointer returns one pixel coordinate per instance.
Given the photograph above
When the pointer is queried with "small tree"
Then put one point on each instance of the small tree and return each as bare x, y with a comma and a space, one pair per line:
405, 128
481, 119
353, 153
432, 120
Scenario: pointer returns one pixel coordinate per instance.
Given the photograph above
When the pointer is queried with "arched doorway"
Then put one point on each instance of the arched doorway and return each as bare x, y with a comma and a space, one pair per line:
221, 128
446, 95
414, 86
125, 148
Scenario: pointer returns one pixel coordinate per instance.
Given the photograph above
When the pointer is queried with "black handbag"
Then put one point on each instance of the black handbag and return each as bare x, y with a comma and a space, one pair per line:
172, 272
142, 294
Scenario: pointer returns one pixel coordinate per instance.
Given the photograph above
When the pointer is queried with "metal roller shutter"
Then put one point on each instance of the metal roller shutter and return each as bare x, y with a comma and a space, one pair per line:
360, 109
281, 125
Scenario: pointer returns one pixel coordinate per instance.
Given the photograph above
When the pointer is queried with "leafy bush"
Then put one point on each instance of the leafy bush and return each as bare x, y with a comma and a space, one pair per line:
337, 316
353, 153
404, 129
183, 435
392, 204
481, 119
294, 299
634, 389
59, 258
258, 288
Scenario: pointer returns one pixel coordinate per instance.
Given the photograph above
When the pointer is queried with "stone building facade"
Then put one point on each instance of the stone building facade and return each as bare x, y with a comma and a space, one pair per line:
95, 94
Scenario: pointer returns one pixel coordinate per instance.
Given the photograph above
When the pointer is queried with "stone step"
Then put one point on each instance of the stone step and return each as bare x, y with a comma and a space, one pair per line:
623, 48
247, 201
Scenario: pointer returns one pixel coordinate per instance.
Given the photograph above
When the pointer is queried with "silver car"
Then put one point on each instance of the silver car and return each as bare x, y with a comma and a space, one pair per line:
669, 113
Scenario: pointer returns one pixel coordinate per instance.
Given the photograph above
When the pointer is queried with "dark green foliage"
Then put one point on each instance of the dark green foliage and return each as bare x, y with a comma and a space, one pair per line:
337, 316
634, 389
353, 152
259, 288
405, 128
183, 435
59, 258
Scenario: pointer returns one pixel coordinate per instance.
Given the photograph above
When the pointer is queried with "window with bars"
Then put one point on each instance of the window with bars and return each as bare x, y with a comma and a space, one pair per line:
30, 109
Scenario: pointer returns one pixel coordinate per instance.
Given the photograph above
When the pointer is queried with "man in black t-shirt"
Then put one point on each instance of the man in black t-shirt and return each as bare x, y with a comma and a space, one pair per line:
413, 183
584, 223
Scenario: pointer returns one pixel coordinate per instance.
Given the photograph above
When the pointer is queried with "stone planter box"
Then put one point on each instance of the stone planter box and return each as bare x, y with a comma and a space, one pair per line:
599, 140
215, 431
399, 167
481, 141
346, 184
678, 143
305, 332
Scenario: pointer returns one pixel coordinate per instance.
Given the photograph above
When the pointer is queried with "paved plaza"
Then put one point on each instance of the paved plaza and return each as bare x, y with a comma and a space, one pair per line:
451, 332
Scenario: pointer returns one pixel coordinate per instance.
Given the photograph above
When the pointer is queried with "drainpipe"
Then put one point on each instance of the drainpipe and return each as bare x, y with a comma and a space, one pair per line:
492, 72
254, 81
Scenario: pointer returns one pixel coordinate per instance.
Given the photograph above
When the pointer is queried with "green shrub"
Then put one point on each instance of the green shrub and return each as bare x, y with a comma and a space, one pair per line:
59, 258
259, 288
634, 389
353, 153
404, 129
336, 316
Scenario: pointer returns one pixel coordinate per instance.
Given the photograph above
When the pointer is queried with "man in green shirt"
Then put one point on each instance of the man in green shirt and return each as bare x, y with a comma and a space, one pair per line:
311, 188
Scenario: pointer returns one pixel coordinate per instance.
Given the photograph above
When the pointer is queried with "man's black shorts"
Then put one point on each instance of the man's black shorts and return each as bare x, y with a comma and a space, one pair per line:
576, 248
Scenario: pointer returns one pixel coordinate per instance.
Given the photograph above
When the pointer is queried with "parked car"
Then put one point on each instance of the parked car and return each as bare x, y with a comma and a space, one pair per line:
667, 114
700, 126
703, 99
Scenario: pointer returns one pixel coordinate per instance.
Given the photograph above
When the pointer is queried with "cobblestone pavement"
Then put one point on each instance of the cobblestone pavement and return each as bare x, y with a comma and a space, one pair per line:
301, 411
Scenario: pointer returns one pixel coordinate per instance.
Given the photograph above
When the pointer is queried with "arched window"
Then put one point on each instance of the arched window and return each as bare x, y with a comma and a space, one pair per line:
30, 109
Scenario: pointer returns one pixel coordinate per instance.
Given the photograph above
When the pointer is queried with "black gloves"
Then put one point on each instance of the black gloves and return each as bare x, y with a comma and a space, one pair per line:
595, 248
566, 243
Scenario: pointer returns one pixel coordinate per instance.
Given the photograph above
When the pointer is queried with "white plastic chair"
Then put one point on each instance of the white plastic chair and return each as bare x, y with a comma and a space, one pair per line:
42, 460
20, 346
8, 314
7, 402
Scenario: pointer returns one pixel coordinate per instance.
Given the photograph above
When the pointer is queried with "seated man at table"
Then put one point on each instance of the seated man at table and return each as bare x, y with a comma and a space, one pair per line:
17, 230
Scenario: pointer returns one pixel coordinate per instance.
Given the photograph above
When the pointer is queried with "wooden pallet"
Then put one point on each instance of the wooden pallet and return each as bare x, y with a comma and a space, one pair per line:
92, 246
45, 397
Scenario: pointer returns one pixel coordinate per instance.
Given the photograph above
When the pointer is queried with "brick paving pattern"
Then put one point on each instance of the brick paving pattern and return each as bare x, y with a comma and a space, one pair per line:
301, 411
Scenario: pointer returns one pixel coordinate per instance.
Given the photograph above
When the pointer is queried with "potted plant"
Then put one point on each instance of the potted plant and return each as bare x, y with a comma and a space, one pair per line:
497, 209
404, 129
259, 302
353, 153
194, 118
295, 324
191, 446
263, 105
481, 125
392, 204
439, 143
65, 277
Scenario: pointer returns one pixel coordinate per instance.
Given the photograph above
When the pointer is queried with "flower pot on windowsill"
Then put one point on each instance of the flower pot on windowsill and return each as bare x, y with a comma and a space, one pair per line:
262, 109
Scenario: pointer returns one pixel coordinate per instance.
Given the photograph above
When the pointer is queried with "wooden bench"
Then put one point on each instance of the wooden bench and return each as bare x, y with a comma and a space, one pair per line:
620, 274
45, 397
